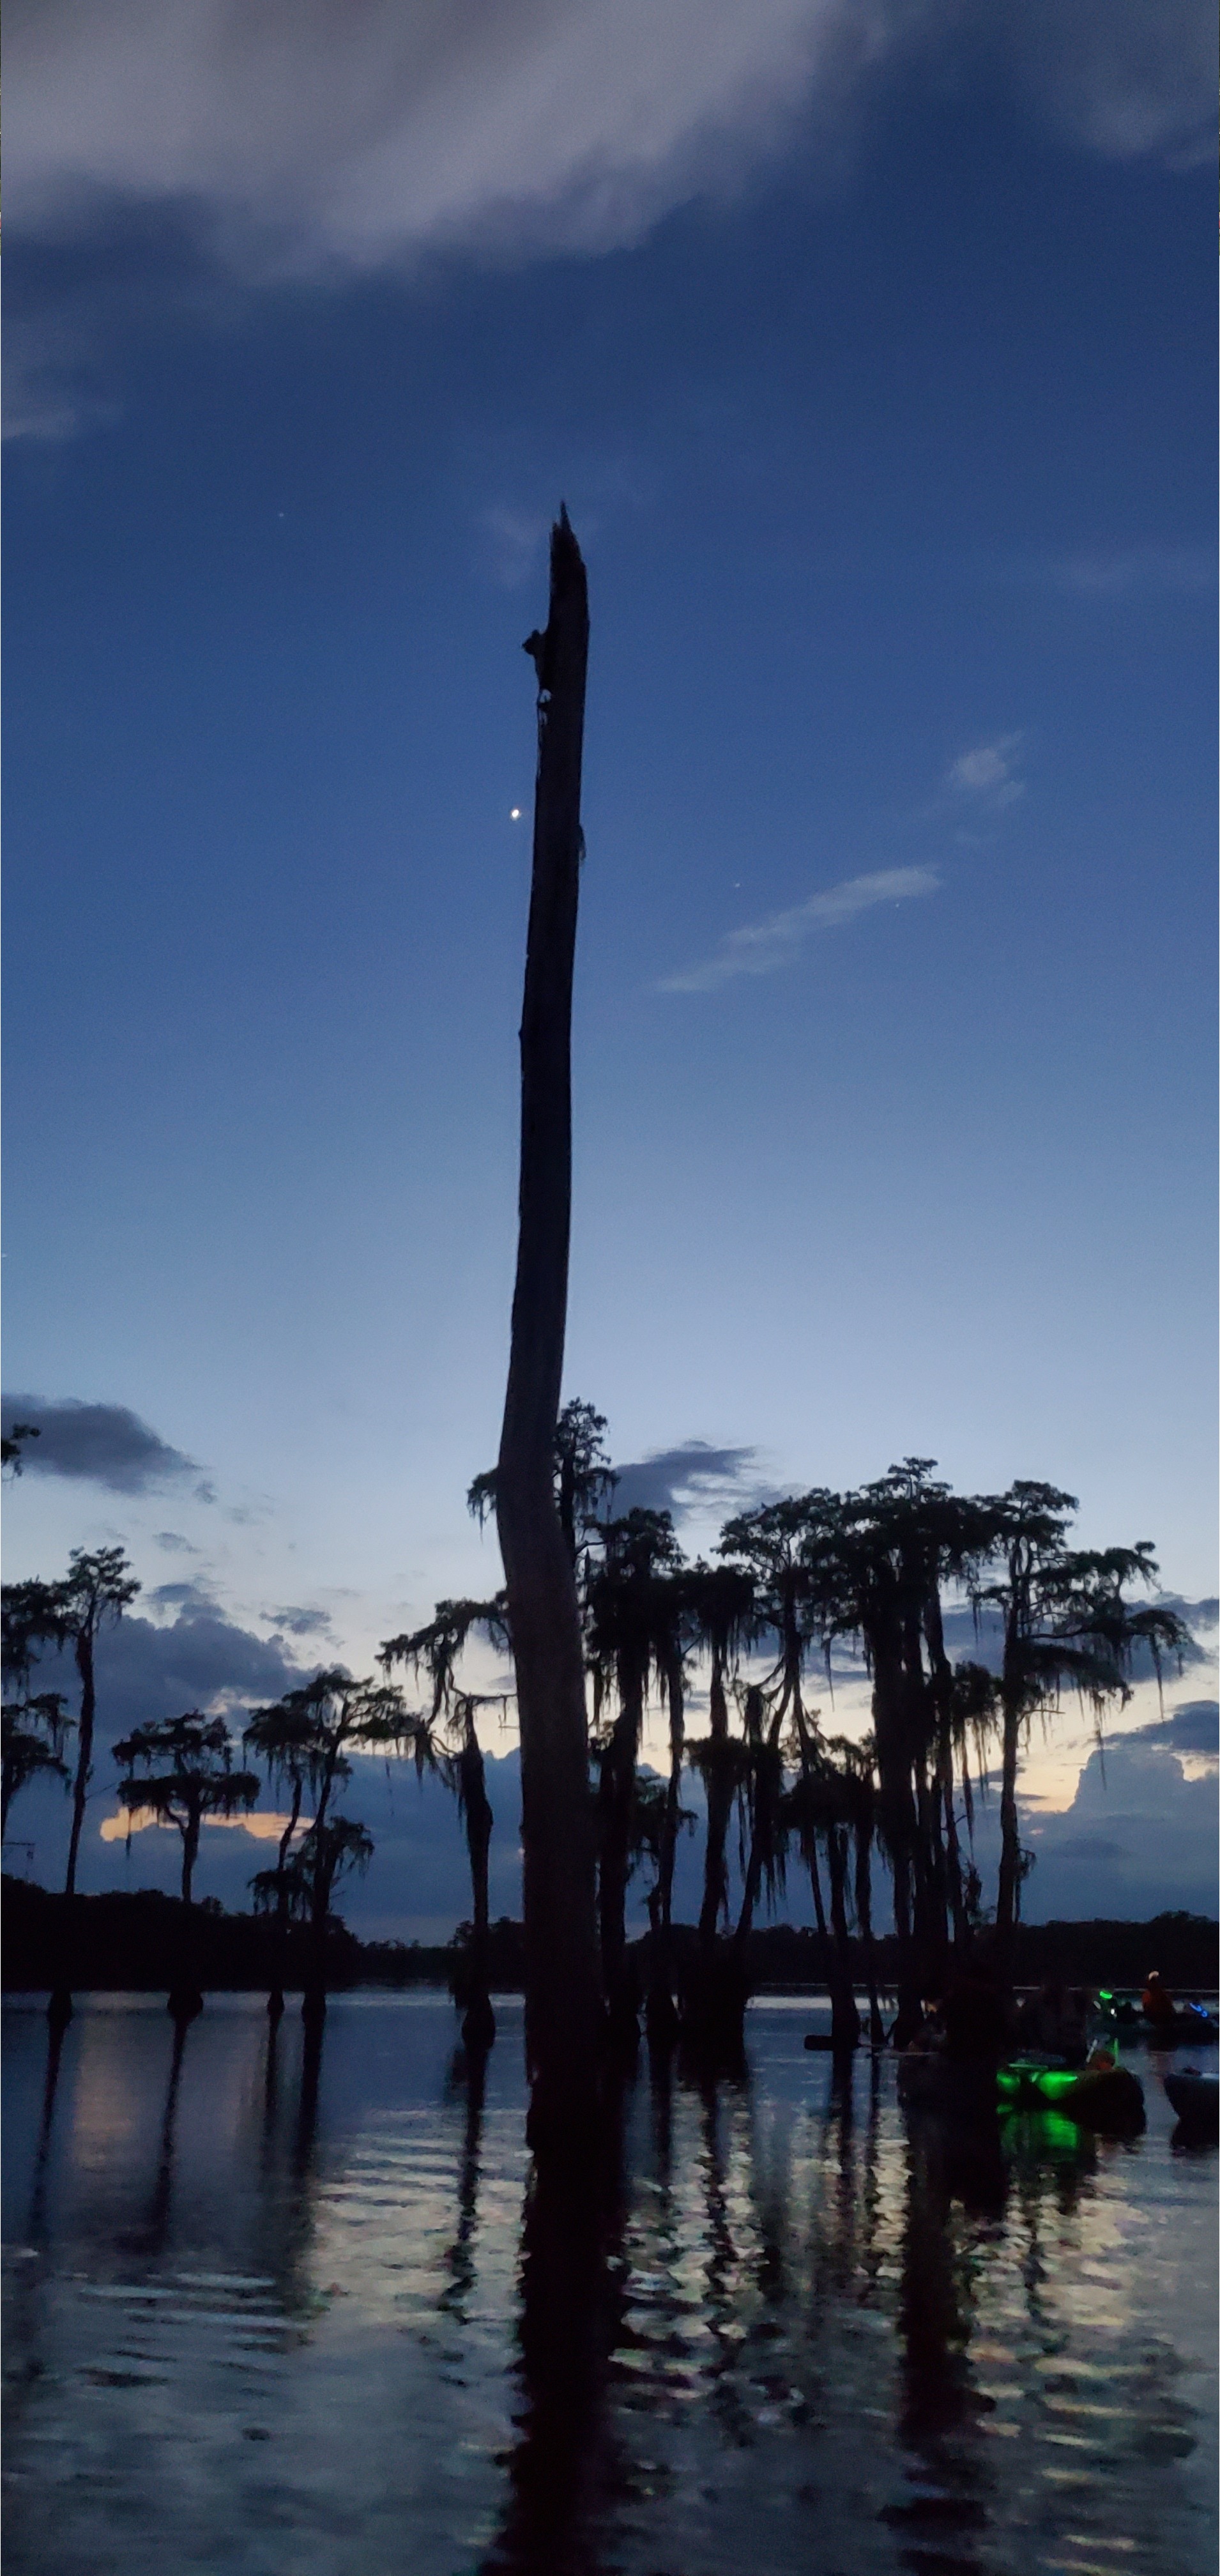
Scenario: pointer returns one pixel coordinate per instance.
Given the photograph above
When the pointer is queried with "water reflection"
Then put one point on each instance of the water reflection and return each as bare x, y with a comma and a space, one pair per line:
289, 2299
467, 2080
152, 2239
566, 2469
57, 2031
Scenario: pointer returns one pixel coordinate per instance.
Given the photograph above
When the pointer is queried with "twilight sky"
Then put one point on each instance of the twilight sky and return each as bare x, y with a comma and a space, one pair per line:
870, 347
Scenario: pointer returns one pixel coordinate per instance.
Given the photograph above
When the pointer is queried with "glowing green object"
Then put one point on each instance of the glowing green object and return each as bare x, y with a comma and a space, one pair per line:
1054, 2082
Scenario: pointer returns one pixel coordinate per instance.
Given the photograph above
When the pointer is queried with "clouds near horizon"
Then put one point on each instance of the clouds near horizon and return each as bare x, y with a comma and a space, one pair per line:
201, 1658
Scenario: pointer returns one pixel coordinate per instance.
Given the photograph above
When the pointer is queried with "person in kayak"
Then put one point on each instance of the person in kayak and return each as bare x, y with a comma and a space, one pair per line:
1158, 2004
975, 2019
1055, 2023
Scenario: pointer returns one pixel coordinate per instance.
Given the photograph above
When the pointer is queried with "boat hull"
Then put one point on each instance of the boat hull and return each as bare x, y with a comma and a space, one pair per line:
1196, 2099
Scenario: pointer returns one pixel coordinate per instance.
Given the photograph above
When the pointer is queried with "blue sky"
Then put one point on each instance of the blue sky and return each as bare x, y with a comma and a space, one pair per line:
871, 353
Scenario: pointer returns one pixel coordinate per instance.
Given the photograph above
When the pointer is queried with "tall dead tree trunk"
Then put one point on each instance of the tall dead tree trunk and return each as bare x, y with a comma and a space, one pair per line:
478, 2020
562, 2000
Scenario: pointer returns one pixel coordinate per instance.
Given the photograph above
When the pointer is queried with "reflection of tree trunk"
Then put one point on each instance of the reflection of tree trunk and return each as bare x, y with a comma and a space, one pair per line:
721, 2266
158, 2217
271, 2089
929, 2317
307, 2101
571, 2312
460, 2259
935, 2320
544, 1619
42, 2152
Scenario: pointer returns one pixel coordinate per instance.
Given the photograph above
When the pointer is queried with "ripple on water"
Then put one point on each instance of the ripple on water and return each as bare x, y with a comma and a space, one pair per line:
265, 2313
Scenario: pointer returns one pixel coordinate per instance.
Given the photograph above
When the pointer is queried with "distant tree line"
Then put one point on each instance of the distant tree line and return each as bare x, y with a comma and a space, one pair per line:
131, 1939
872, 1571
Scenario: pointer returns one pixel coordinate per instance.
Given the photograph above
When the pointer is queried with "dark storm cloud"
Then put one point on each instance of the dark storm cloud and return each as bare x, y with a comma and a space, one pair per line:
182, 1596
105, 1444
692, 1477
981, 1640
148, 1670
1193, 1727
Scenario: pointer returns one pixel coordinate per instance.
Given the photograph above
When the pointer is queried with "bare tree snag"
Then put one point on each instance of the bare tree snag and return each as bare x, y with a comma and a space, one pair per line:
562, 1999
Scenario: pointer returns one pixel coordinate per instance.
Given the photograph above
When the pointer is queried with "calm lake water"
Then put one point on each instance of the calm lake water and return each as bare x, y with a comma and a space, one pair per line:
266, 2316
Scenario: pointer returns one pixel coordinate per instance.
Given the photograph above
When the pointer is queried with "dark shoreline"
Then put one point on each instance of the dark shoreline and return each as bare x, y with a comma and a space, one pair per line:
133, 1943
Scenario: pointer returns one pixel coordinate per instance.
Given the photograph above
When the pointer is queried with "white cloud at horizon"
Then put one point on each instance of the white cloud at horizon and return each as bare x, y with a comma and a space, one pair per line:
762, 947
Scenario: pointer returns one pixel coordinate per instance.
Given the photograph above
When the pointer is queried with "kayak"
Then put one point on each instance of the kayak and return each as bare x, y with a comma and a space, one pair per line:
1196, 2099
1191, 2024
1121, 2011
1096, 2097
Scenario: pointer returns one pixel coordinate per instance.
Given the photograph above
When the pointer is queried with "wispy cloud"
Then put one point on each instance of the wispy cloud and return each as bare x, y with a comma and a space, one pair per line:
513, 540
296, 1622
1134, 571
762, 947
989, 772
